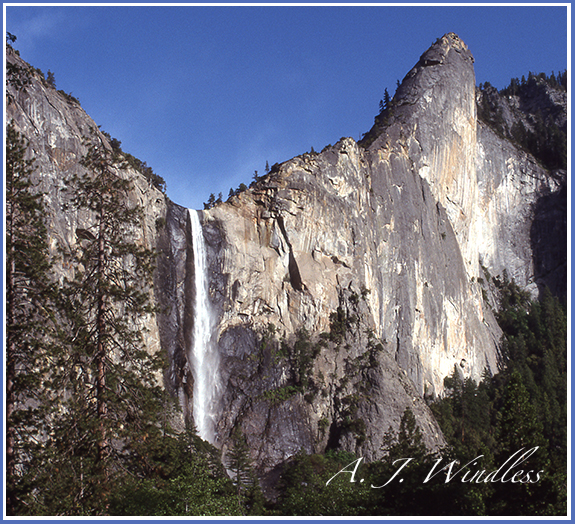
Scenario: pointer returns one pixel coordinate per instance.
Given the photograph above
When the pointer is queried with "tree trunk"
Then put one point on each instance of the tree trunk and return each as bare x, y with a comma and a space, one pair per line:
101, 362
10, 378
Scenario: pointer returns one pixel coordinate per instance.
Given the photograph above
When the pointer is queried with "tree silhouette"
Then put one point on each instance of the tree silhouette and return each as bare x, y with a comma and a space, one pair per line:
28, 315
386, 99
114, 404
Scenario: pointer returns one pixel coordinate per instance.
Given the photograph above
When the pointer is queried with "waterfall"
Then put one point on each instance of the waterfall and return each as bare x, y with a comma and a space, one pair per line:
203, 353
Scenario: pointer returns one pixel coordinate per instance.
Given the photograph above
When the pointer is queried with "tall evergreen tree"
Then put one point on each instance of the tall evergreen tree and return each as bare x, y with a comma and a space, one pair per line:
239, 460
249, 495
386, 99
520, 431
115, 405
28, 292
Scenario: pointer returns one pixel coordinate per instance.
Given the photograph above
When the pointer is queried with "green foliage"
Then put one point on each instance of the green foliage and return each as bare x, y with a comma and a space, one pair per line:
305, 491
386, 100
407, 494
350, 421
239, 460
29, 317
544, 139
301, 357
339, 483
194, 492
51, 79
235, 192
339, 324
184, 478
278, 395
323, 424
212, 201
156, 180
523, 406
249, 497
111, 407
68, 96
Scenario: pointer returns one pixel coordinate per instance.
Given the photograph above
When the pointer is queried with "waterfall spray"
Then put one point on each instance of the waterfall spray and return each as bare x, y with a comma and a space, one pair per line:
203, 353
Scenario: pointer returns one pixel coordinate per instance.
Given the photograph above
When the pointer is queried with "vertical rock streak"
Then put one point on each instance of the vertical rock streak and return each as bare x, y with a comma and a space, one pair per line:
403, 222
203, 355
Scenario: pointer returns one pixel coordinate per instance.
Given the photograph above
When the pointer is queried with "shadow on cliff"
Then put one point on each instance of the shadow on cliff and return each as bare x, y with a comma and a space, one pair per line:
549, 242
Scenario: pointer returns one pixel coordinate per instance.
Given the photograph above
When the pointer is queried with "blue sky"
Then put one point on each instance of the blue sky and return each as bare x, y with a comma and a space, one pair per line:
207, 95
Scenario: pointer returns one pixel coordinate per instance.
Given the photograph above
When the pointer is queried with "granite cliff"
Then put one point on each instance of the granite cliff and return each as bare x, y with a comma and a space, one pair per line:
348, 283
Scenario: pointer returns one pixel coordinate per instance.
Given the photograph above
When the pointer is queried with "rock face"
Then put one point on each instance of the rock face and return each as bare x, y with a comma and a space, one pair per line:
389, 238
347, 283
542, 200
55, 126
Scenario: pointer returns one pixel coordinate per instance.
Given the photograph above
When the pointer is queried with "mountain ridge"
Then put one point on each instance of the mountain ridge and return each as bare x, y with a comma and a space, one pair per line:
377, 250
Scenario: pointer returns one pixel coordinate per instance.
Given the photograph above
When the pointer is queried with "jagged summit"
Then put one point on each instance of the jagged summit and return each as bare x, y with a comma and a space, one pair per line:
442, 79
380, 253
438, 52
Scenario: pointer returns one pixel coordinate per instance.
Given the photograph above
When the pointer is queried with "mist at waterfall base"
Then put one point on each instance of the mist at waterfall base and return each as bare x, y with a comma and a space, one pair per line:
203, 354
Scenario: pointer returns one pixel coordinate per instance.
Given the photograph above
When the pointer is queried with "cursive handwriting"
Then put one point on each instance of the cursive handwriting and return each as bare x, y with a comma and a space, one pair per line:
470, 472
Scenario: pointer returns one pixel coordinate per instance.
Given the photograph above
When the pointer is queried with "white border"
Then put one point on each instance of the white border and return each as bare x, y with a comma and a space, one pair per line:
569, 232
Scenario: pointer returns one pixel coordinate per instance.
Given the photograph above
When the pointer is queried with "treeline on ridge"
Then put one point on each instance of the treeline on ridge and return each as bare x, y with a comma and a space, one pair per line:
537, 133
89, 427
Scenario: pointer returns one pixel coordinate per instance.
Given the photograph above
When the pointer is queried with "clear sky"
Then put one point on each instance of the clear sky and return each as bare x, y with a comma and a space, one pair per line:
207, 95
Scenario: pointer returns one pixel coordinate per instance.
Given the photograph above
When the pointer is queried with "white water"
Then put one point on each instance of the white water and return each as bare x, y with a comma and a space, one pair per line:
203, 353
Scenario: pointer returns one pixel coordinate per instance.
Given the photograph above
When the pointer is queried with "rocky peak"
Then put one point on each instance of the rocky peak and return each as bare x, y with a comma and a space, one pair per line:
347, 283
438, 53
434, 111
387, 238
448, 59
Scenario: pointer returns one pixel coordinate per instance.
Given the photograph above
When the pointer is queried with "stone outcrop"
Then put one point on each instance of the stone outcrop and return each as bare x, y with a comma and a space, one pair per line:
56, 128
534, 255
347, 283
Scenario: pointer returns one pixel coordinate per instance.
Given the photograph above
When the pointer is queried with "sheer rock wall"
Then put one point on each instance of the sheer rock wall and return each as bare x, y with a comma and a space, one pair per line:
377, 249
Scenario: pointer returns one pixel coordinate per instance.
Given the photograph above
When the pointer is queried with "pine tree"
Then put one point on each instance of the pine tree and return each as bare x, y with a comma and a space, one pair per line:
409, 439
17, 77
211, 201
115, 405
519, 431
239, 459
239, 463
28, 294
407, 495
386, 99
51, 79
